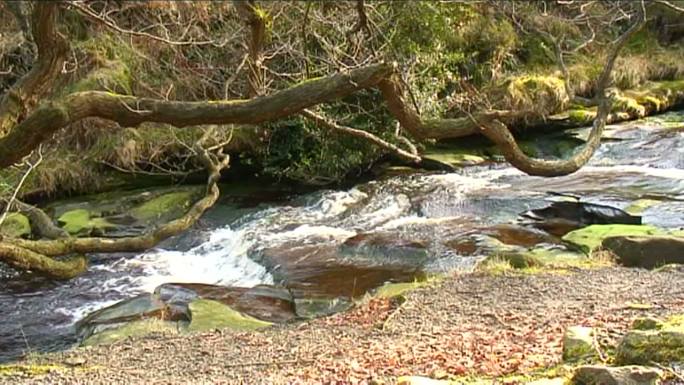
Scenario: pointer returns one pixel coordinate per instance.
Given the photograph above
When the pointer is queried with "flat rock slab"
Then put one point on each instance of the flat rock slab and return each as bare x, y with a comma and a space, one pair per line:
646, 251
624, 375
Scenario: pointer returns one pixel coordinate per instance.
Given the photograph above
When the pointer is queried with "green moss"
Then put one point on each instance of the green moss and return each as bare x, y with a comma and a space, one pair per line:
171, 205
581, 117
29, 370
393, 290
639, 206
79, 221
590, 237
540, 93
16, 225
454, 156
208, 315
131, 329
622, 103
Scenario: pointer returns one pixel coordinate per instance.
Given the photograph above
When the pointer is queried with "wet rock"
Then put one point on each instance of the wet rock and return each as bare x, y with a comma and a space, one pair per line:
518, 235
164, 207
83, 222
119, 213
327, 271
309, 308
384, 244
208, 315
646, 252
591, 237
137, 328
624, 375
268, 303
578, 344
564, 216
133, 309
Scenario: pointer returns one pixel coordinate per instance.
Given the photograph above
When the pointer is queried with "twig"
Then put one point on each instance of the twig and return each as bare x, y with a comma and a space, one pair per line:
361, 134
668, 369
21, 183
393, 314
268, 363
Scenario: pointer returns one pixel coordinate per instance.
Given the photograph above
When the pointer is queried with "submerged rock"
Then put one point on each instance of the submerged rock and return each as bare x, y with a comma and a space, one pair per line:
133, 309
624, 375
646, 251
578, 344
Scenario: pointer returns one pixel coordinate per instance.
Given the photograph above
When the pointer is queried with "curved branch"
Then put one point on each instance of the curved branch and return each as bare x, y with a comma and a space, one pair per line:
502, 137
24, 259
132, 111
52, 48
36, 255
41, 223
498, 133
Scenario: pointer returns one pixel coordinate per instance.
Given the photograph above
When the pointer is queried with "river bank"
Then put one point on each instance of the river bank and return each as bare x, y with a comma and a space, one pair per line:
468, 326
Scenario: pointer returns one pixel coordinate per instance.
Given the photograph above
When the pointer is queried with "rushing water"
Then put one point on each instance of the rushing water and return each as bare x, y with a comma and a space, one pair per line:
642, 160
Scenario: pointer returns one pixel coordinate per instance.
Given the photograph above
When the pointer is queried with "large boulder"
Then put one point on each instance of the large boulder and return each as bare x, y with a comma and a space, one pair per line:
268, 303
624, 375
591, 237
578, 344
171, 307
646, 251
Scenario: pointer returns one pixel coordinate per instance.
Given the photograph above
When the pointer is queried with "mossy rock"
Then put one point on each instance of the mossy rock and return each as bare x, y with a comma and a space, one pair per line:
647, 323
164, 207
15, 226
623, 375
663, 345
310, 308
590, 237
80, 221
581, 117
131, 329
394, 290
455, 156
578, 344
208, 315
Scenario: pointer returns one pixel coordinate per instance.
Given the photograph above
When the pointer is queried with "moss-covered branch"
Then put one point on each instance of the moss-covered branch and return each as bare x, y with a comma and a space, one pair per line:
132, 111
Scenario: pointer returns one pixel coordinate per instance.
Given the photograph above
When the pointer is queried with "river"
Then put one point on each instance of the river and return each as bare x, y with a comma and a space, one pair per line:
342, 243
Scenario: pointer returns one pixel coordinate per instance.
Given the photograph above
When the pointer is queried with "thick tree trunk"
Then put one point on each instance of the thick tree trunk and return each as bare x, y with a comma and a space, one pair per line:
52, 49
